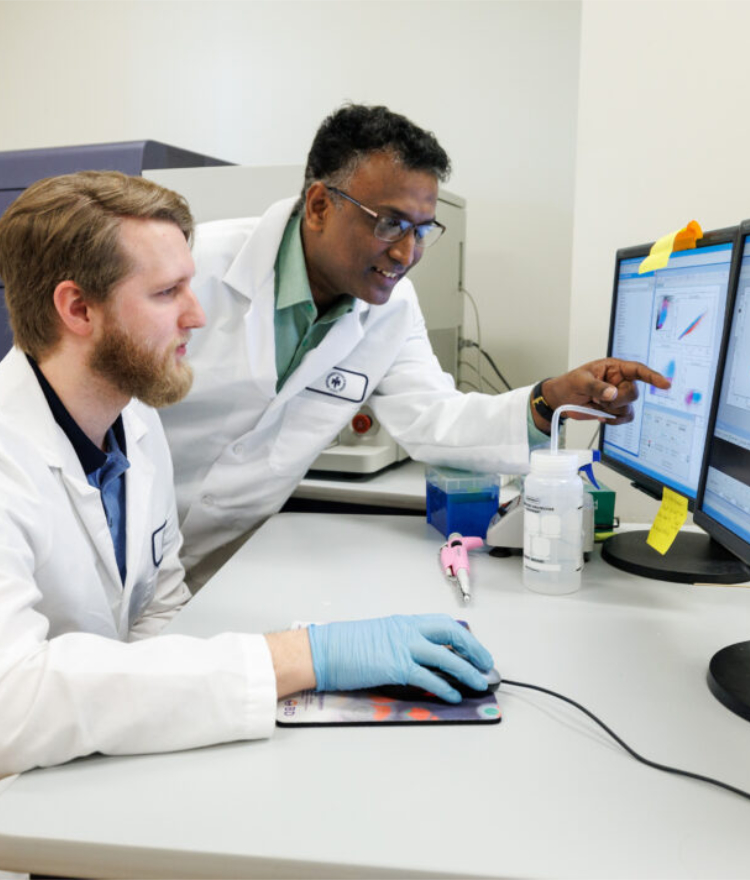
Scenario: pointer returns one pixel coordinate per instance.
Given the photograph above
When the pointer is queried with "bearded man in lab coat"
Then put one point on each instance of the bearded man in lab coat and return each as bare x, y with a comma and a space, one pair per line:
310, 315
98, 270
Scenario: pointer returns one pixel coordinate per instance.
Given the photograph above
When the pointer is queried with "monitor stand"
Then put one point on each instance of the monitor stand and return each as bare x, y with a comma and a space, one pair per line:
729, 678
693, 558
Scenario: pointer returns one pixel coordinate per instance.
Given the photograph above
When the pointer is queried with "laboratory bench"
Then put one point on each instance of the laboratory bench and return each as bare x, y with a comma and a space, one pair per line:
543, 794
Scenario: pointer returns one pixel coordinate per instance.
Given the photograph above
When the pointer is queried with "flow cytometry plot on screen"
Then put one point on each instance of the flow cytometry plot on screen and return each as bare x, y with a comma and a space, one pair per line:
668, 369
690, 383
663, 311
692, 326
687, 318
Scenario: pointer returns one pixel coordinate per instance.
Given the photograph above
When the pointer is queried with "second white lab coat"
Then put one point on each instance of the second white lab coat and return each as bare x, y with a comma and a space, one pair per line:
240, 449
82, 667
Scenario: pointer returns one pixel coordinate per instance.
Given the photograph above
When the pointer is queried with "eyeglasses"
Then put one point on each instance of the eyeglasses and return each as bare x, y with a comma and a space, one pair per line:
394, 229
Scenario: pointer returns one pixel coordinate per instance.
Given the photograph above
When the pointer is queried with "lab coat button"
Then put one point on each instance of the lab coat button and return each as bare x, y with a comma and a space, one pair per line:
238, 449
208, 500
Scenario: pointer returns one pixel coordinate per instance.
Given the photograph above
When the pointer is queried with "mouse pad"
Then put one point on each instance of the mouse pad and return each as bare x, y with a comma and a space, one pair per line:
388, 704
379, 706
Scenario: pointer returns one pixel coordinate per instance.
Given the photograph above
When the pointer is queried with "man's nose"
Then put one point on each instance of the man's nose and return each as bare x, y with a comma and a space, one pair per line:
193, 316
406, 251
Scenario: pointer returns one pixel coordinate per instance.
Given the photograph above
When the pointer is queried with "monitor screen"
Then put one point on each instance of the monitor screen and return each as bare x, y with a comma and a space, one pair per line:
723, 504
673, 320
723, 508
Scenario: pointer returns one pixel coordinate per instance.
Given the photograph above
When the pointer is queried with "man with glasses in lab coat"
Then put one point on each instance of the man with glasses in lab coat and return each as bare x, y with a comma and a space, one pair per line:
310, 314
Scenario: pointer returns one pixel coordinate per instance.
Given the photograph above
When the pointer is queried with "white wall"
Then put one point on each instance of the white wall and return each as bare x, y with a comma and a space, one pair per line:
251, 81
655, 136
663, 137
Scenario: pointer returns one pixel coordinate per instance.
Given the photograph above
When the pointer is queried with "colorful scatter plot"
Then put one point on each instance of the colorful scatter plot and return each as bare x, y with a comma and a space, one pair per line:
668, 372
692, 325
663, 311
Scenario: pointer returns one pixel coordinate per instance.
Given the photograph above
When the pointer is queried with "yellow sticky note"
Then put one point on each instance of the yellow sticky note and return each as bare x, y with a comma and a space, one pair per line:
679, 240
669, 520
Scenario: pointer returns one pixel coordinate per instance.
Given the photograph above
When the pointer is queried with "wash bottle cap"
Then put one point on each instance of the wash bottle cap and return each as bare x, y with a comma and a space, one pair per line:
546, 463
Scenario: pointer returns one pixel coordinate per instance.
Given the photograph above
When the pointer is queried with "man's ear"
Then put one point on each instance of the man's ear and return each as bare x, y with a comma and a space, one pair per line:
72, 308
317, 205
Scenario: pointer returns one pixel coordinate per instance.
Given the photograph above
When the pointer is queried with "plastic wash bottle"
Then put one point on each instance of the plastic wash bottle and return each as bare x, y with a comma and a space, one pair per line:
553, 523
553, 514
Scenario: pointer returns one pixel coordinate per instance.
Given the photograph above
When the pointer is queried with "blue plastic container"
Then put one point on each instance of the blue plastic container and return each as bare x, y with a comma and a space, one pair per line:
461, 501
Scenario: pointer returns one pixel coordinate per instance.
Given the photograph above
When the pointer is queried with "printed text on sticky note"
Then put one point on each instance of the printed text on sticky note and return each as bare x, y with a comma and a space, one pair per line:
669, 520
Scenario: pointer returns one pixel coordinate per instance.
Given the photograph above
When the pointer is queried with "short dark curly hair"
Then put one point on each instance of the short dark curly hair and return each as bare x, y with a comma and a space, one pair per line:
355, 131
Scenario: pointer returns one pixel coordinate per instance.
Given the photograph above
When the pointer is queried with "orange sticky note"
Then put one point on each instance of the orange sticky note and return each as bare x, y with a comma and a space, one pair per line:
669, 520
687, 237
679, 240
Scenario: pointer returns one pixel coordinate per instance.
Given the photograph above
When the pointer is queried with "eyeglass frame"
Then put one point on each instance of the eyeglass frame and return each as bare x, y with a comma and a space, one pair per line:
410, 226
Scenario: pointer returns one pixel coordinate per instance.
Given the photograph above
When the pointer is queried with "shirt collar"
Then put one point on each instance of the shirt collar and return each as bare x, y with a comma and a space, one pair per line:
291, 271
91, 457
292, 283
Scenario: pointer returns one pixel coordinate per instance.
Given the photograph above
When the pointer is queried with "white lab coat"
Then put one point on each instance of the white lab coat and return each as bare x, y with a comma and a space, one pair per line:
240, 449
77, 671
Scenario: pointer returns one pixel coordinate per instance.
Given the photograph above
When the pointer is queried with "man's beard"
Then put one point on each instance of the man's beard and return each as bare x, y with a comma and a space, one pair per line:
138, 371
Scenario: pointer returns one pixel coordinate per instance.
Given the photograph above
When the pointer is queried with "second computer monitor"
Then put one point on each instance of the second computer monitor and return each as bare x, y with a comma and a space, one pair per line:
671, 319
723, 506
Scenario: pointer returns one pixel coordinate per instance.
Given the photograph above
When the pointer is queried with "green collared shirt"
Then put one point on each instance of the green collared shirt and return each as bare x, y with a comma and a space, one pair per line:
297, 326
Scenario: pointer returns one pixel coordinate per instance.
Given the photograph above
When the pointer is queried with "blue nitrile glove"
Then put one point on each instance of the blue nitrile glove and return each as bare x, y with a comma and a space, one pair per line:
395, 650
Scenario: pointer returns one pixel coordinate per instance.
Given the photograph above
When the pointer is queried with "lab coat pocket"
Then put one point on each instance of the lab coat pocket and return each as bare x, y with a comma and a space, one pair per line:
157, 544
310, 422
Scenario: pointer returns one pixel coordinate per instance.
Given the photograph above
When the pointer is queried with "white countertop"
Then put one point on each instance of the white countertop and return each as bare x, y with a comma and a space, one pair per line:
544, 794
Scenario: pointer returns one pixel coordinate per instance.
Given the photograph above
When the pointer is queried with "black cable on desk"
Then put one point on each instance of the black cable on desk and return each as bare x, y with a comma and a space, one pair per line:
616, 738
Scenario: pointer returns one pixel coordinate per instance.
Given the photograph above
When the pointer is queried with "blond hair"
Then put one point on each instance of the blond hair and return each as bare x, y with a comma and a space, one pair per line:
67, 229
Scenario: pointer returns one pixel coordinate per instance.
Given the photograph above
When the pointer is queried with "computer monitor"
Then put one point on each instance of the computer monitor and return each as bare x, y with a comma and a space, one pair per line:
723, 504
672, 319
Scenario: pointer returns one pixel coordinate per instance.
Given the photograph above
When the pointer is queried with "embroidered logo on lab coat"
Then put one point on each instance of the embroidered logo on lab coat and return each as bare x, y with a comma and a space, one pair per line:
157, 544
345, 384
336, 382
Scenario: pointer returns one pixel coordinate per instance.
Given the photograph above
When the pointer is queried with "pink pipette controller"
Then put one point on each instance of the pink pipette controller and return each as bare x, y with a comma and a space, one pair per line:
454, 559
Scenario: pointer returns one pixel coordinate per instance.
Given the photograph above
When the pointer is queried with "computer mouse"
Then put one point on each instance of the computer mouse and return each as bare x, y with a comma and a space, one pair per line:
410, 692
492, 677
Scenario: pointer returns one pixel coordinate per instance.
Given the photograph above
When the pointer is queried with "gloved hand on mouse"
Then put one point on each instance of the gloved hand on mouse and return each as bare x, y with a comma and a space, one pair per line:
395, 650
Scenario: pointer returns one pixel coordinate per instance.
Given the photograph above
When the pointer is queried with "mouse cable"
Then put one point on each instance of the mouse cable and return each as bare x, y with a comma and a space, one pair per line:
624, 745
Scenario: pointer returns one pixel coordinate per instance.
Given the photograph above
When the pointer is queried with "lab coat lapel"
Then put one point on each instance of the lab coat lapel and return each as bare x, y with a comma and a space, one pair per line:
339, 342
139, 480
252, 276
87, 505
23, 402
